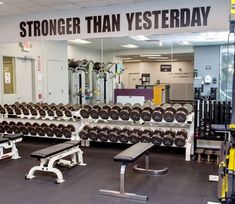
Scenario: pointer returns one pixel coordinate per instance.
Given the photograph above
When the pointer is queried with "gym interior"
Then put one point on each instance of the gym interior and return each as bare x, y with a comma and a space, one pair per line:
117, 101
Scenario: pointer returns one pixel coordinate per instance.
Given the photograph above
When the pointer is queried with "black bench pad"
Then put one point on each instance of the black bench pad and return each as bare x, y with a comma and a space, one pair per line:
73, 142
49, 151
133, 152
3, 140
13, 136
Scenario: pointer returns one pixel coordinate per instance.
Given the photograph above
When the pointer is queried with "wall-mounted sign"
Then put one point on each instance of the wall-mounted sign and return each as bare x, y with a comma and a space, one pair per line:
165, 67
26, 46
156, 17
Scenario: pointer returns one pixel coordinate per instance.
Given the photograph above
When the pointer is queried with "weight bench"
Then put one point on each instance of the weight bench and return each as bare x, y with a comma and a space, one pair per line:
128, 156
53, 155
9, 142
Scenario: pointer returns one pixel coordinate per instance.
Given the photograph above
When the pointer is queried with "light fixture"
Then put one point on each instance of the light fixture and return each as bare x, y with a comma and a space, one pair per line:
1, 2
80, 41
185, 42
158, 57
139, 37
126, 58
132, 61
129, 46
167, 60
150, 55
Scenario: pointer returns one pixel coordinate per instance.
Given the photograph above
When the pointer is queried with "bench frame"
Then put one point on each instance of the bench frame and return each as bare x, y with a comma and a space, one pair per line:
10, 144
48, 164
121, 193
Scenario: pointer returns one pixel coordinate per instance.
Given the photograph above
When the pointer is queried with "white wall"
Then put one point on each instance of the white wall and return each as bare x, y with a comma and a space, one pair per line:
153, 68
40, 52
78, 52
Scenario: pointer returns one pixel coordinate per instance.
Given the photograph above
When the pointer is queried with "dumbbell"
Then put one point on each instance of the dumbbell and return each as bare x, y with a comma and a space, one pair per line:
59, 113
23, 129
71, 127
10, 110
157, 137
41, 131
7, 127
169, 114
83, 134
180, 138
182, 112
17, 111
168, 138
135, 135
49, 130
124, 114
93, 133
67, 132
84, 112
124, 135
32, 130
50, 112
135, 112
58, 130
104, 112
67, 113
94, 112
25, 111
114, 112
114, 134
42, 113
44, 125
2, 110
103, 134
146, 113
2, 130
16, 129
146, 135
157, 114
11, 123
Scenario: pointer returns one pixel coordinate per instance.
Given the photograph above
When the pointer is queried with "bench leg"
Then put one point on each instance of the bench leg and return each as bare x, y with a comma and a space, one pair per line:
147, 170
122, 193
15, 152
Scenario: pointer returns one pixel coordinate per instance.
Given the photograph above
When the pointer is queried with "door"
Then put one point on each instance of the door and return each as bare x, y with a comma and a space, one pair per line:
24, 80
54, 81
133, 80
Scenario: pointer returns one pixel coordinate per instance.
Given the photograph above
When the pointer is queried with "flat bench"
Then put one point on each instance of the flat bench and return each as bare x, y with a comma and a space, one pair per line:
53, 155
9, 142
128, 156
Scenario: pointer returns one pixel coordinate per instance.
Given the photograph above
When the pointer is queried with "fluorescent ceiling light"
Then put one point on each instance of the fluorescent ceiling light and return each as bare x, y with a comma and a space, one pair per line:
185, 42
139, 37
167, 60
158, 57
150, 55
126, 58
80, 41
129, 46
1, 2
132, 60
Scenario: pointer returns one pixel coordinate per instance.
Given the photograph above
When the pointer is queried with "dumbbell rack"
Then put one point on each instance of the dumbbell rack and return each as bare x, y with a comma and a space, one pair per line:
188, 126
74, 120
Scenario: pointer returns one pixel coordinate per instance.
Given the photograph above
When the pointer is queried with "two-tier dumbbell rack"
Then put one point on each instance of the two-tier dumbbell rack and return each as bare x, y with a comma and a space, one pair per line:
188, 126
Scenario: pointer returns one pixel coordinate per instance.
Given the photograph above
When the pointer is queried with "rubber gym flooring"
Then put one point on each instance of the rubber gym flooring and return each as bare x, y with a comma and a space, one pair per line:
185, 183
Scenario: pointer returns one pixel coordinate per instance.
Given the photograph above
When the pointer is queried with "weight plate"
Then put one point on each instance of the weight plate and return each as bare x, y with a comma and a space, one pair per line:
94, 113
84, 113
113, 114
104, 114
83, 134
189, 107
180, 116
71, 127
103, 136
124, 115
49, 131
40, 131
134, 137
67, 133
169, 116
145, 115
135, 115
157, 116
145, 138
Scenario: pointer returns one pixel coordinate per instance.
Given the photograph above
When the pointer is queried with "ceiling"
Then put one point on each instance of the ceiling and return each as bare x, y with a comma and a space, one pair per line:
159, 41
15, 7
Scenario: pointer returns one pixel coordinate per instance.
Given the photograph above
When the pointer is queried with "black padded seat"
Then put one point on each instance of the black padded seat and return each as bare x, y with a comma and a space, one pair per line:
133, 152
13, 136
49, 151
3, 140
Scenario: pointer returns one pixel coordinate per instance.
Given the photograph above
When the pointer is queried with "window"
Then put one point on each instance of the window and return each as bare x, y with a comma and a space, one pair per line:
8, 75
